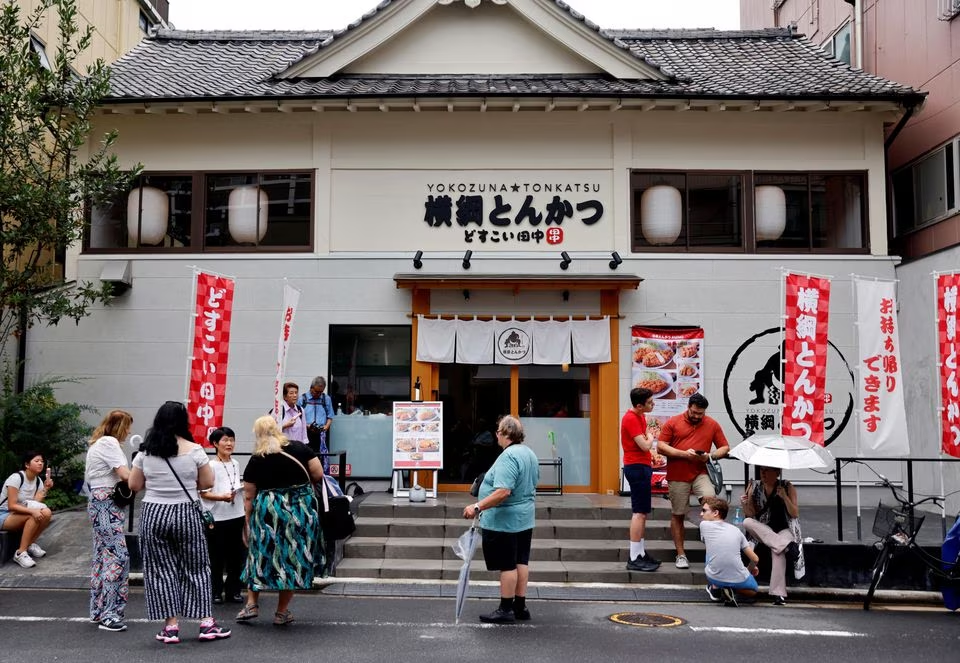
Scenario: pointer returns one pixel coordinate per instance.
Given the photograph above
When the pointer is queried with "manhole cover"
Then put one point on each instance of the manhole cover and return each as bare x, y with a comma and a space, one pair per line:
649, 619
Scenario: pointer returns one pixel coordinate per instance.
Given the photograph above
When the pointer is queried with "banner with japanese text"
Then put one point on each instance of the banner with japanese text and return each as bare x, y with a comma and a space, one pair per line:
947, 287
805, 346
291, 298
211, 343
883, 416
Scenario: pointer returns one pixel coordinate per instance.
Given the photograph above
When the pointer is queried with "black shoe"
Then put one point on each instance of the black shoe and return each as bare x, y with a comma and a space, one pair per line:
779, 600
650, 560
217, 599
641, 564
522, 615
498, 616
235, 598
714, 593
115, 625
792, 553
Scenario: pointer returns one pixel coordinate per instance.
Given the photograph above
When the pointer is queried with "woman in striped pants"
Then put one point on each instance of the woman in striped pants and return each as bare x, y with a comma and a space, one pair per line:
176, 565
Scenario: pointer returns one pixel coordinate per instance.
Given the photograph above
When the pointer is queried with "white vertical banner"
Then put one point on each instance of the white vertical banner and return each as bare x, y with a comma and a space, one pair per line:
882, 425
291, 298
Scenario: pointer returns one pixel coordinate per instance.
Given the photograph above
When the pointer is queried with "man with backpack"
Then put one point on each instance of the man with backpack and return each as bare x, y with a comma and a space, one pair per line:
318, 415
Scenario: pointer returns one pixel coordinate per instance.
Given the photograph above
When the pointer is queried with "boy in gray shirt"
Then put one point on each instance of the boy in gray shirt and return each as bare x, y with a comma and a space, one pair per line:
725, 571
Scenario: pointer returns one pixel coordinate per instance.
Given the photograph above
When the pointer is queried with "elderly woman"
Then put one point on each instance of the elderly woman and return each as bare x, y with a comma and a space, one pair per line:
506, 509
772, 512
106, 465
176, 564
282, 529
22, 508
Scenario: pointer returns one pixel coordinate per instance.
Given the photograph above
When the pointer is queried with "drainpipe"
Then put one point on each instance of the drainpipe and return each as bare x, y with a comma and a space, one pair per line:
858, 30
900, 125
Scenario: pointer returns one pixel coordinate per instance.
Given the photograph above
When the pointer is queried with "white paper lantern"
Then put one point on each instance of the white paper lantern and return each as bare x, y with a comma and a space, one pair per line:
661, 214
151, 207
247, 218
770, 210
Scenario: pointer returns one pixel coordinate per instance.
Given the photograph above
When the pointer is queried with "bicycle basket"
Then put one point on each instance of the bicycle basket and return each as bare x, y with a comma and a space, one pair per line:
890, 520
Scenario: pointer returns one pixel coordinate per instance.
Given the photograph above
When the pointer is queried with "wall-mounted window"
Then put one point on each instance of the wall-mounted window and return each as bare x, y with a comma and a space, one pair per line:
144, 23
191, 212
41, 52
753, 212
926, 191
838, 45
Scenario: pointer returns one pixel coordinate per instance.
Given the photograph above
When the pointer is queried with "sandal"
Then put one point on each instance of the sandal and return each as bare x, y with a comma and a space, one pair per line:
248, 612
282, 618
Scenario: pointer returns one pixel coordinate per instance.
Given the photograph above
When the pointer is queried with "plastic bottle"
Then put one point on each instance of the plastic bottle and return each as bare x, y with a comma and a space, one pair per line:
339, 410
738, 517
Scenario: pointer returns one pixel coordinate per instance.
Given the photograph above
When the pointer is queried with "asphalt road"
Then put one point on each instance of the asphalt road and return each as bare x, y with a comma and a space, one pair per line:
51, 625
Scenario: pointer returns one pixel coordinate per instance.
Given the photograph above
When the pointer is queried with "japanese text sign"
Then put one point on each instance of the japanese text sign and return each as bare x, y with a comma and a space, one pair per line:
291, 298
947, 342
211, 342
883, 417
807, 308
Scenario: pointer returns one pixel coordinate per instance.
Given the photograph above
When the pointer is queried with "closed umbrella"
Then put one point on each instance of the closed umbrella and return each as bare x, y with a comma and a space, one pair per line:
784, 451
464, 548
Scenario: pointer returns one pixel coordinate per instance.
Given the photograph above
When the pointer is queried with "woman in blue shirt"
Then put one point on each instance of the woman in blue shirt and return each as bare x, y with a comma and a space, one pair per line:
507, 513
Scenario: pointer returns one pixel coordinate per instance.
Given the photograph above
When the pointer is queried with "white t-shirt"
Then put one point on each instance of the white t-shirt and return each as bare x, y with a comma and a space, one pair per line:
226, 477
724, 543
103, 458
27, 491
161, 484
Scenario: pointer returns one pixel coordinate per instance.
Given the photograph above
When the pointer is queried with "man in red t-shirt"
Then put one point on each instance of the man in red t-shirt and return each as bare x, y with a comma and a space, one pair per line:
686, 440
637, 443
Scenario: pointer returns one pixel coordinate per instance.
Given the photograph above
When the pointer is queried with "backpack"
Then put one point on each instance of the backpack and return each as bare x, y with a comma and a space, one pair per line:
22, 479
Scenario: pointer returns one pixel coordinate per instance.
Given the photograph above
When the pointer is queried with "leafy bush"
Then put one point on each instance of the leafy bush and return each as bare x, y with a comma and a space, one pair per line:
34, 419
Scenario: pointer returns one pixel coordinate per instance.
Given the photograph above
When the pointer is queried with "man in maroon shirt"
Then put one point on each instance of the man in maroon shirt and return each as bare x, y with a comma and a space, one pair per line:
687, 440
637, 443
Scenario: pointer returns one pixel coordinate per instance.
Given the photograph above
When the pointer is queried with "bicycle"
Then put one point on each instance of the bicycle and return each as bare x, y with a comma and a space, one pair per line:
897, 527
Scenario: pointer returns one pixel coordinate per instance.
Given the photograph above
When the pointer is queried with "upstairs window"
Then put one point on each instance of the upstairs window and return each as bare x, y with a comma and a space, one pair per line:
838, 45
926, 191
41, 52
192, 212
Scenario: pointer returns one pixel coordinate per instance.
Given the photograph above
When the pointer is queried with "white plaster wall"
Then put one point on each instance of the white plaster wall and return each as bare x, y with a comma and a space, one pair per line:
919, 355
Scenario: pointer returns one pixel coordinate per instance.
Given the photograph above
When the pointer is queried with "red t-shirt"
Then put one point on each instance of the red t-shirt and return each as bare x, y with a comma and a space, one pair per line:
680, 434
632, 425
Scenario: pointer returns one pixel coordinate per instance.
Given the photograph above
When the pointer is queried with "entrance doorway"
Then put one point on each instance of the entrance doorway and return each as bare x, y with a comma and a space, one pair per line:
552, 399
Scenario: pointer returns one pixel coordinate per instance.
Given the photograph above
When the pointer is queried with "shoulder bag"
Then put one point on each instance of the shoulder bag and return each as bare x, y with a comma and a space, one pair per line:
122, 495
335, 516
205, 516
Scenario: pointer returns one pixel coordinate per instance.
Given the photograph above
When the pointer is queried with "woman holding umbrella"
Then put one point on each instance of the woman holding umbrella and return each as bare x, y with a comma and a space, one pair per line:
773, 512
506, 509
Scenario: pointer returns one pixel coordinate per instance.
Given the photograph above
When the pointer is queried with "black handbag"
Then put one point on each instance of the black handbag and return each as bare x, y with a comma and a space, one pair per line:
475, 486
335, 517
123, 496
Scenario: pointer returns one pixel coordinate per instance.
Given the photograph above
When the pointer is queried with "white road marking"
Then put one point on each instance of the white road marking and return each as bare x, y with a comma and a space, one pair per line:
408, 625
776, 631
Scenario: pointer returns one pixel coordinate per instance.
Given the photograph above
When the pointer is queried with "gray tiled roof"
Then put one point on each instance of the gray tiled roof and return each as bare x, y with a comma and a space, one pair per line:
700, 64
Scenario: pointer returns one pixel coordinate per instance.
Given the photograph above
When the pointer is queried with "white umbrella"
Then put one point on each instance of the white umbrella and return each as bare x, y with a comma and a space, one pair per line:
465, 547
783, 451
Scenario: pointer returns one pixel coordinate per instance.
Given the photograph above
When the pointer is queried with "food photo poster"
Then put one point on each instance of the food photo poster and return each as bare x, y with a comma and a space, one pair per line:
418, 435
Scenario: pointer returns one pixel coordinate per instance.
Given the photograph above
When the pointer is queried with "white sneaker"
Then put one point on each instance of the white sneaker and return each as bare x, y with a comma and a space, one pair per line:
36, 551
24, 559
682, 562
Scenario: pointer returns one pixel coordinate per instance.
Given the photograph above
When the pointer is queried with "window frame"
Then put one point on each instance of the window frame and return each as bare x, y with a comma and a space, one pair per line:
829, 45
913, 167
198, 209
747, 214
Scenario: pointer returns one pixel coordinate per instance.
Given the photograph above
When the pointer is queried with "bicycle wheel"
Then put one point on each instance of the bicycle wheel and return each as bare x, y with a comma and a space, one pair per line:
879, 568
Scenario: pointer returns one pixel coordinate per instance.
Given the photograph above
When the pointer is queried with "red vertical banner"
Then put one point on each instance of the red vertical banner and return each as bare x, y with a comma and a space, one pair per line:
211, 342
807, 309
947, 287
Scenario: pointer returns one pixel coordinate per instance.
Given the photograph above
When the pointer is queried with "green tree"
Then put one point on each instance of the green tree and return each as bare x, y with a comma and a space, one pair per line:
49, 166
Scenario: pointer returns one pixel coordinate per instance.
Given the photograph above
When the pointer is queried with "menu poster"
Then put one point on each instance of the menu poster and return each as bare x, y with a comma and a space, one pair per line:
669, 362
417, 435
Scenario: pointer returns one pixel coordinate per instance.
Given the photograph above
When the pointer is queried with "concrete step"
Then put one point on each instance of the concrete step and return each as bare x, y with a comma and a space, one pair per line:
546, 550
540, 571
453, 509
605, 530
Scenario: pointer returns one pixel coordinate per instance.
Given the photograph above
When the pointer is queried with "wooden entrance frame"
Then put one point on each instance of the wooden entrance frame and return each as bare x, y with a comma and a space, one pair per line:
604, 378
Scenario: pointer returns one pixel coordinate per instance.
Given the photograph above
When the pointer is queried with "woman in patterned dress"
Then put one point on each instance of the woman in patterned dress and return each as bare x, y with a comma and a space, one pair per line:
106, 465
282, 532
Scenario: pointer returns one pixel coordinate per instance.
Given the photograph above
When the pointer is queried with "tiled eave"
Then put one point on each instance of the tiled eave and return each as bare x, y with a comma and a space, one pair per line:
496, 104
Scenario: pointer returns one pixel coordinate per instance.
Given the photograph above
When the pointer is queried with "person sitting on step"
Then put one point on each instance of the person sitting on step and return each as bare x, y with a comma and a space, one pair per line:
726, 574
22, 508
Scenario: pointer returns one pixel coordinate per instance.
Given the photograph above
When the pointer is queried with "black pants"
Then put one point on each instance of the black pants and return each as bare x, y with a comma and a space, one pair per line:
227, 553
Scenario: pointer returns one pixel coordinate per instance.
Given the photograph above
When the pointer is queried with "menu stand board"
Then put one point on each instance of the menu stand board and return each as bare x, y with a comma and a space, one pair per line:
417, 442
668, 362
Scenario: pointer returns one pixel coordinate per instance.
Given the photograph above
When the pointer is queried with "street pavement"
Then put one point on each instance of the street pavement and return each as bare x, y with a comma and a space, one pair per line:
51, 625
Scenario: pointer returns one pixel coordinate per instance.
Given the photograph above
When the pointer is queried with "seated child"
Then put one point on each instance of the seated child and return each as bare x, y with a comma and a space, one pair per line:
22, 508
725, 570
